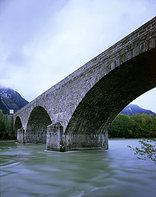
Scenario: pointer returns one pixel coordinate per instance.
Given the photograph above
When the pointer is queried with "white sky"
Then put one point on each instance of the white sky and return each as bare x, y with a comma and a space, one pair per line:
43, 41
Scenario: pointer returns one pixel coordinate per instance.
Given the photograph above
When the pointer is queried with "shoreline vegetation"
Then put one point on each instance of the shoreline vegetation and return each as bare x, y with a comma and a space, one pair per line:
136, 126
5, 128
147, 149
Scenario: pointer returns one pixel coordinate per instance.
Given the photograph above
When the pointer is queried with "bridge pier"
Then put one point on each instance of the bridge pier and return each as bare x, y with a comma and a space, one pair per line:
58, 141
105, 143
54, 137
86, 142
20, 135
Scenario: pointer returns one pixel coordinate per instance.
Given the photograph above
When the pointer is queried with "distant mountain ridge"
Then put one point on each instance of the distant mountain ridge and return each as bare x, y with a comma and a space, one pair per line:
10, 99
132, 109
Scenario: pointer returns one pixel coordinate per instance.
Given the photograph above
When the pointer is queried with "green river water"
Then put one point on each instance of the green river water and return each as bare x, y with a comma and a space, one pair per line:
29, 170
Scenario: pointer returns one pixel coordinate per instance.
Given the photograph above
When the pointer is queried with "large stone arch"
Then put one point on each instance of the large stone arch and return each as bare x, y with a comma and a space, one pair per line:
37, 124
112, 93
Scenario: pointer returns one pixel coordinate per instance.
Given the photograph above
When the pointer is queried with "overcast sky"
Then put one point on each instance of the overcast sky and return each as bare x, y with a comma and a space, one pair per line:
43, 41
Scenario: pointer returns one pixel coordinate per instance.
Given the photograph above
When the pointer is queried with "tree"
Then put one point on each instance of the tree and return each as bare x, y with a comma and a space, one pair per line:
147, 150
122, 126
5, 127
136, 126
145, 125
2, 126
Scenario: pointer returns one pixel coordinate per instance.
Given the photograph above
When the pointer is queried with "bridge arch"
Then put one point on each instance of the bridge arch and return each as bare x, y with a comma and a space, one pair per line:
112, 93
18, 123
37, 124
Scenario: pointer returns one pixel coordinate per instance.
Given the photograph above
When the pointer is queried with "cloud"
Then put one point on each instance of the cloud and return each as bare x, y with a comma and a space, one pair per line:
41, 42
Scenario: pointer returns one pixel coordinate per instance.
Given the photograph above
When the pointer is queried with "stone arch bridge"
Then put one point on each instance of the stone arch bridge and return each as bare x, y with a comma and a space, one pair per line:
76, 112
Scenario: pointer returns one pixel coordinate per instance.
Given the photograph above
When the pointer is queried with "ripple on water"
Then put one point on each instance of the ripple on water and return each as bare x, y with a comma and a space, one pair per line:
28, 171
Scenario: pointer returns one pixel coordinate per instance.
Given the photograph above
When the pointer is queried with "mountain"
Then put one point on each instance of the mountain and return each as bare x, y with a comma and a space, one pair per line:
132, 109
10, 99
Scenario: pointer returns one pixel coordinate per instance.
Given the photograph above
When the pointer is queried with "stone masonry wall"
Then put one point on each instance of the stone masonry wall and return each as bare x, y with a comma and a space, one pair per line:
61, 100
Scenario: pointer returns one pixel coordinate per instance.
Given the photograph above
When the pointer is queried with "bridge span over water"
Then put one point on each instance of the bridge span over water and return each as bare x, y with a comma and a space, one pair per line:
76, 112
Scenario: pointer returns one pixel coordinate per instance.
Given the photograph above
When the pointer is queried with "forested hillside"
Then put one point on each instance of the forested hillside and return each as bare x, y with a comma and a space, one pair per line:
136, 126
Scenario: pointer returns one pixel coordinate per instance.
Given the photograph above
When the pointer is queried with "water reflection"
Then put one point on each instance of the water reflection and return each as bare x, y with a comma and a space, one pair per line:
29, 170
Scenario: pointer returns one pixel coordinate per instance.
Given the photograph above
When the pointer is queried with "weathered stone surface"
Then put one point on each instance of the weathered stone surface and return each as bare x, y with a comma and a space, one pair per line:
85, 142
86, 101
56, 140
20, 135
54, 137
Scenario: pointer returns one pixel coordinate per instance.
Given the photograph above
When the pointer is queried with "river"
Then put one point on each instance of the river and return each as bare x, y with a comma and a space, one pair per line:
29, 170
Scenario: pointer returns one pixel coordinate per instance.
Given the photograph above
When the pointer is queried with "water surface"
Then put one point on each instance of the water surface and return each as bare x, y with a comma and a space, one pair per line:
29, 170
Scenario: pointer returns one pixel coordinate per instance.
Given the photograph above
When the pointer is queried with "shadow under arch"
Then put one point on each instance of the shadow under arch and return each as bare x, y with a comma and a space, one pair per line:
112, 93
38, 121
18, 123
19, 130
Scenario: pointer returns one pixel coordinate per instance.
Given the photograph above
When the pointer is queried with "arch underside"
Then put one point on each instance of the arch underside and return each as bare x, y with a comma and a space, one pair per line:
37, 126
19, 129
112, 93
18, 123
